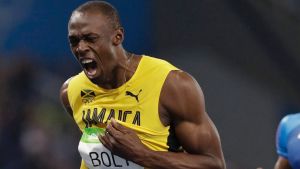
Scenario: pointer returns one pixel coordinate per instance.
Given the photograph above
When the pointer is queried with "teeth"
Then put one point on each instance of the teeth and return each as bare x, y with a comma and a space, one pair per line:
85, 61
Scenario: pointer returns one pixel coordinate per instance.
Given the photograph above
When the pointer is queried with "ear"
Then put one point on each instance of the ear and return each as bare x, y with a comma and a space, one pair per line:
119, 36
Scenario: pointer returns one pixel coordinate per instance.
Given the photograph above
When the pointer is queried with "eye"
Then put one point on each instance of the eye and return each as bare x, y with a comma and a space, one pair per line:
91, 39
73, 40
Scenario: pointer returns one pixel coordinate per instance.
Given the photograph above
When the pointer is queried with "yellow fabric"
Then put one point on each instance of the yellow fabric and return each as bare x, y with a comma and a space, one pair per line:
83, 166
134, 104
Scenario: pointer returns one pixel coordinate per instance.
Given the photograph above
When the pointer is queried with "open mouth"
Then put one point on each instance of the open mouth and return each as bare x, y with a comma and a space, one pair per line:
90, 66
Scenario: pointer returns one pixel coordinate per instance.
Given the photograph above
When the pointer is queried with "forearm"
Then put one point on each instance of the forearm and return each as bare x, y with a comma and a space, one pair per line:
171, 160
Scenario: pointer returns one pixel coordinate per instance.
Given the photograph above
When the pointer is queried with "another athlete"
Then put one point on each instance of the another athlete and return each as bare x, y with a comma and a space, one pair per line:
288, 142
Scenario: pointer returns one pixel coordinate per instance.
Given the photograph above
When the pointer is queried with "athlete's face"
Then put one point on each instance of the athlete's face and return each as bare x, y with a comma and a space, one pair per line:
93, 41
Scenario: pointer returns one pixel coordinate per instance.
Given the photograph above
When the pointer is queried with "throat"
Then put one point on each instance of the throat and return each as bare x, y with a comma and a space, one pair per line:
116, 79
119, 75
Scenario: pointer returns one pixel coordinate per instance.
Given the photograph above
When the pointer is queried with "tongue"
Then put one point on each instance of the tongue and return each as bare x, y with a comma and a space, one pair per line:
90, 68
91, 71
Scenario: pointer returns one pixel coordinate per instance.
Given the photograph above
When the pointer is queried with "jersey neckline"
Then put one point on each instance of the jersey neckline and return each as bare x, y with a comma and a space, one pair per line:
123, 86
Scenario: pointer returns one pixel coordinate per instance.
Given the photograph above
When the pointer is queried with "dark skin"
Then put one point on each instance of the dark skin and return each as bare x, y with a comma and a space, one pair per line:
193, 127
282, 163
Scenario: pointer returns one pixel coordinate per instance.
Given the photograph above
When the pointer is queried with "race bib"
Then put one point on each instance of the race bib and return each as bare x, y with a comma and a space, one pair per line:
96, 156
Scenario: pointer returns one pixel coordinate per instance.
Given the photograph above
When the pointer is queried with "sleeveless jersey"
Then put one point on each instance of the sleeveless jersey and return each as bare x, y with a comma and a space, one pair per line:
288, 139
134, 104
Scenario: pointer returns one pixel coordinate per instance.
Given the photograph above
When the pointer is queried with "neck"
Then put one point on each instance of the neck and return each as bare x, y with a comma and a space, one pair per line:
119, 74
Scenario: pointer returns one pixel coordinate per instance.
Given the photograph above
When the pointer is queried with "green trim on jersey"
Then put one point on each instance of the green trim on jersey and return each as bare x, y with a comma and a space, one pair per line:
90, 135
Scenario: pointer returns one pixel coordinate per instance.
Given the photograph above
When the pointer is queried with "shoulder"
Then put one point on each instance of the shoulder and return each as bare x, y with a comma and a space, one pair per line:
289, 122
64, 96
180, 82
182, 95
64, 87
75, 80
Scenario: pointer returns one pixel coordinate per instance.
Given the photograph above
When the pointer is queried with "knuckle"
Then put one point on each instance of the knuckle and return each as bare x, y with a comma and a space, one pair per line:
112, 141
117, 136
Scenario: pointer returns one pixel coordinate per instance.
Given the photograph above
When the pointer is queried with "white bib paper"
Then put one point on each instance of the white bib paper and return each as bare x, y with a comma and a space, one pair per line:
96, 156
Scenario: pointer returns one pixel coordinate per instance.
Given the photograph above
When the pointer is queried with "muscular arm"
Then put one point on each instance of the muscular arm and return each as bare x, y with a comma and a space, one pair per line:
63, 94
282, 163
183, 99
64, 97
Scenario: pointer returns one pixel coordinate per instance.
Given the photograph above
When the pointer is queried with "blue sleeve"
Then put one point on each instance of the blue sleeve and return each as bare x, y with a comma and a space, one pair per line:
281, 137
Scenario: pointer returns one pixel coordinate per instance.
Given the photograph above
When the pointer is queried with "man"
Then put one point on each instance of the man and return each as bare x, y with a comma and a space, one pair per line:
153, 114
288, 142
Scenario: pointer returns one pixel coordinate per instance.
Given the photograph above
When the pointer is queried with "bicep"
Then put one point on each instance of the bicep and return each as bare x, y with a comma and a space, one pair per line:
199, 138
193, 128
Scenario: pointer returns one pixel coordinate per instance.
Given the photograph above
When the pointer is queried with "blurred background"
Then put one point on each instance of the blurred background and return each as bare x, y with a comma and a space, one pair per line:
244, 55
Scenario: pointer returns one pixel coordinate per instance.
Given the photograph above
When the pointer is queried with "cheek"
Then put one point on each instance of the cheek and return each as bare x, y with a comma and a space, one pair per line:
73, 50
103, 51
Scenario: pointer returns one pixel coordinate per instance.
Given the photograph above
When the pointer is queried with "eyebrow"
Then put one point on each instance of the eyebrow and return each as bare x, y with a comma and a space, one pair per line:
84, 35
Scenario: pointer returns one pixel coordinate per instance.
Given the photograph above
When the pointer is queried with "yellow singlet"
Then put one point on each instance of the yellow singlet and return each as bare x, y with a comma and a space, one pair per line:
134, 104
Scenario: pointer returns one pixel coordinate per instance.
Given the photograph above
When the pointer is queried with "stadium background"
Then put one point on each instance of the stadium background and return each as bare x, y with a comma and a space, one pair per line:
244, 55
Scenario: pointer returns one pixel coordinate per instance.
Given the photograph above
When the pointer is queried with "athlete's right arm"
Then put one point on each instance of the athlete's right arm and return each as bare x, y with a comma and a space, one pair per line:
64, 97
66, 104
282, 163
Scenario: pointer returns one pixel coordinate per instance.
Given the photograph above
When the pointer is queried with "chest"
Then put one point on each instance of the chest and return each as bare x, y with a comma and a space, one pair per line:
135, 106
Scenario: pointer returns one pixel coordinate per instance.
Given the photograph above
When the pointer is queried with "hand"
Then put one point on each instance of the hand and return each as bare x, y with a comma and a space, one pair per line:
123, 141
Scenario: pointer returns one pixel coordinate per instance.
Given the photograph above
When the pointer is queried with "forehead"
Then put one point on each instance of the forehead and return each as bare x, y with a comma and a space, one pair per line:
87, 22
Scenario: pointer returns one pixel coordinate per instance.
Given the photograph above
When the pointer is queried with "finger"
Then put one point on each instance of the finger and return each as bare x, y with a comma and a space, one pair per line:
118, 126
105, 141
114, 132
114, 123
111, 137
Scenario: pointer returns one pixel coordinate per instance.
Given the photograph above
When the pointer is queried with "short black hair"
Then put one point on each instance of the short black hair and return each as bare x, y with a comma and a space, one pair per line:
104, 8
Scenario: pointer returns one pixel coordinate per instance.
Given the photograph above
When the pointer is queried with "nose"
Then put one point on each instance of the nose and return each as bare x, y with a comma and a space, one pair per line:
82, 48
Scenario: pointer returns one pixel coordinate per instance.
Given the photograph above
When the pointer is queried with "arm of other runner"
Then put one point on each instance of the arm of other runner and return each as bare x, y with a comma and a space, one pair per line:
282, 163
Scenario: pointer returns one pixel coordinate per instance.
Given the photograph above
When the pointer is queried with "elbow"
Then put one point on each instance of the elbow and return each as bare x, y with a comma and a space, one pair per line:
217, 163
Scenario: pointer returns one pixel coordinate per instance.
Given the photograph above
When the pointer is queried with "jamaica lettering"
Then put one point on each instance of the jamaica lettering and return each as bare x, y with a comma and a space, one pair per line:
96, 116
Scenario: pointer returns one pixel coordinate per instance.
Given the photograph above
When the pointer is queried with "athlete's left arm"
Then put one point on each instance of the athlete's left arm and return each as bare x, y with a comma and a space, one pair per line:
182, 97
